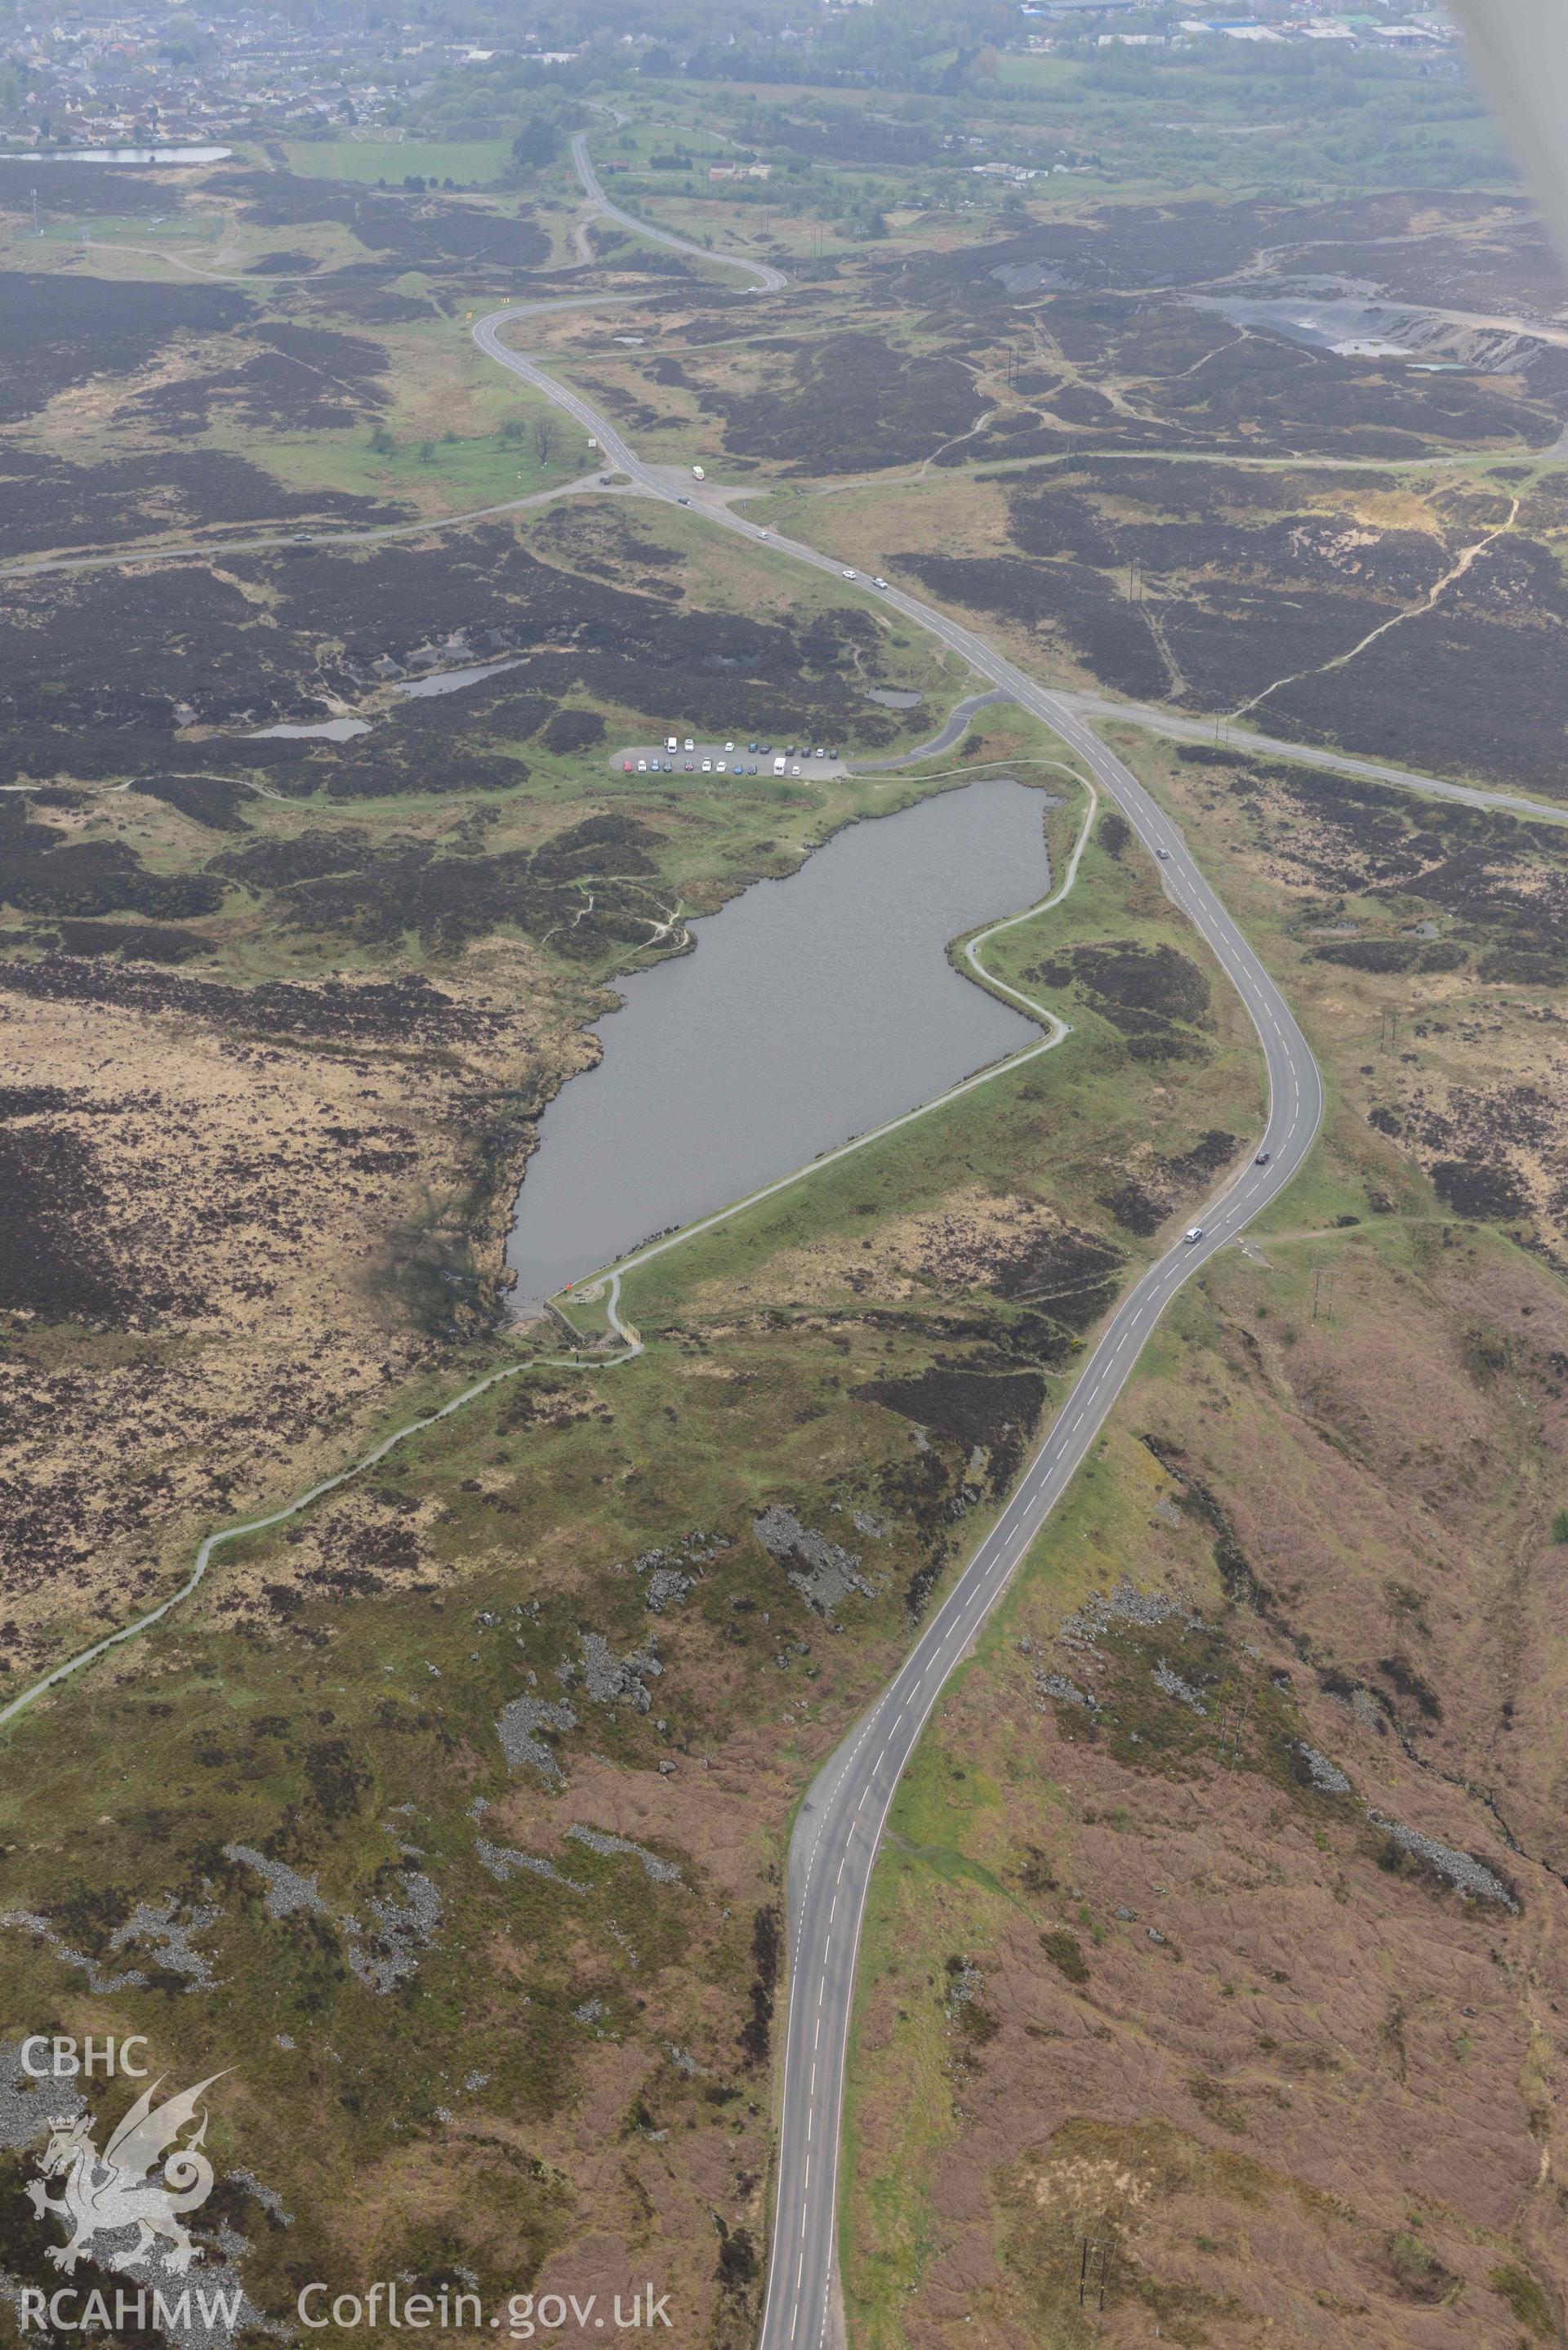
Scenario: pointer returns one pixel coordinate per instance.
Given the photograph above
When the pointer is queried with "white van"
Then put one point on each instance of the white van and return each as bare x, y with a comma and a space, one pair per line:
670, 743
778, 766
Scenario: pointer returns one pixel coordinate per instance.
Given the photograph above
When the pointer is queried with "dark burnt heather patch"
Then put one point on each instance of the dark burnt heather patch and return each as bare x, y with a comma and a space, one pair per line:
1070, 1272
1265, 392
855, 404
1108, 291
1155, 996
573, 729
54, 1259
283, 263
62, 331
207, 800
120, 663
142, 941
461, 236
971, 1403
1502, 884
1142, 1203
1121, 245
407, 1012
262, 865
123, 664
1184, 531
43, 873
298, 378
1243, 576
425, 233
1086, 612
1479, 1190
366, 292
46, 503
1132, 248
447, 900
1498, 630
89, 191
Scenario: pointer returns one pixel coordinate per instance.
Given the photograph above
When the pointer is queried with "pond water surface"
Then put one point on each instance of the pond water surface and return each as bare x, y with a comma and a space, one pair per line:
812, 1009
121, 155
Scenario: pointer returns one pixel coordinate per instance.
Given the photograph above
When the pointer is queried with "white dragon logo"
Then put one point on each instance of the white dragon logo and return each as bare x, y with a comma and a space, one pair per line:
102, 2195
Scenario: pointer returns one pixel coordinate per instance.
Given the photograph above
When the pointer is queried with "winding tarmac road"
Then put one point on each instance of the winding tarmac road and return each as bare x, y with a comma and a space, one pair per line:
840, 1824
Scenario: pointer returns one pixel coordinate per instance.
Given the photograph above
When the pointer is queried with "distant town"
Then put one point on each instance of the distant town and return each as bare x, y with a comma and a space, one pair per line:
150, 77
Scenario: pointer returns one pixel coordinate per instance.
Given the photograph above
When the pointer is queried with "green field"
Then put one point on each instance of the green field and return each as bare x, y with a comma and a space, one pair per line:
471, 163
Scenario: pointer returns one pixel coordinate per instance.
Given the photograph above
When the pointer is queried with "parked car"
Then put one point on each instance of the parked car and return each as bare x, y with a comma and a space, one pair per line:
689, 766
626, 766
707, 767
642, 766
689, 744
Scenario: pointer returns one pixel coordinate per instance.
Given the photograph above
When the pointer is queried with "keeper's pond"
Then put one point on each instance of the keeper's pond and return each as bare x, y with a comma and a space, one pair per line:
810, 1009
